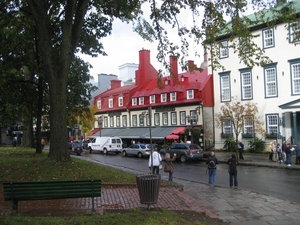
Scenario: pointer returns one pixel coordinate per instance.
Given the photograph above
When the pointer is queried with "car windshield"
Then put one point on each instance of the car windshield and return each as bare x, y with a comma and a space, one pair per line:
76, 144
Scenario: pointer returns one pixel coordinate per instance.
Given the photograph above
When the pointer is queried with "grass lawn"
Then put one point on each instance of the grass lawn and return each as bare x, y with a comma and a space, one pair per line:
22, 164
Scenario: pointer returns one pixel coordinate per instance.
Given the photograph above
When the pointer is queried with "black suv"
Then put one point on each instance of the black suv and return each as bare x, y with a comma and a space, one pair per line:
75, 147
183, 151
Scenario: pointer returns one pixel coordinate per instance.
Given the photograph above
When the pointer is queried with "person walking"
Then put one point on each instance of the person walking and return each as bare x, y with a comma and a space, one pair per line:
241, 150
271, 151
170, 165
212, 162
232, 170
288, 153
156, 162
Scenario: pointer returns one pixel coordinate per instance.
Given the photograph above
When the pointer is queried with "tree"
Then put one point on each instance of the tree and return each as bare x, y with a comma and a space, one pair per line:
237, 115
66, 27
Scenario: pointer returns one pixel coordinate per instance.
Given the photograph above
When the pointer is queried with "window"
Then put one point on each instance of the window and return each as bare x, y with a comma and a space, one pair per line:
270, 81
295, 76
182, 117
141, 100
124, 120
248, 125
156, 119
152, 99
111, 119
165, 118
147, 119
268, 38
134, 101
142, 119
134, 120
99, 104
173, 96
246, 84
120, 101
272, 123
105, 121
118, 121
190, 94
223, 48
226, 126
173, 118
163, 97
225, 87
294, 31
110, 103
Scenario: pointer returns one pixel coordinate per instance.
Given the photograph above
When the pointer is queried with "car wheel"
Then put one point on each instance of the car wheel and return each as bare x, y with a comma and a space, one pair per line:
104, 151
140, 155
124, 153
183, 158
163, 156
90, 150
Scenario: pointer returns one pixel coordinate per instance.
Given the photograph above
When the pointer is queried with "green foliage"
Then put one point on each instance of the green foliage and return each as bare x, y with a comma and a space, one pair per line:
230, 144
256, 145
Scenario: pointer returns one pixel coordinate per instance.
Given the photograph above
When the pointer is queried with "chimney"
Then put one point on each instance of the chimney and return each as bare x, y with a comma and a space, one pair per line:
174, 66
204, 63
115, 84
191, 65
143, 74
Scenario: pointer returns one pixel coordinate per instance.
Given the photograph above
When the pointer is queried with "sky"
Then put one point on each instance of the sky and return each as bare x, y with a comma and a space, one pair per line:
123, 46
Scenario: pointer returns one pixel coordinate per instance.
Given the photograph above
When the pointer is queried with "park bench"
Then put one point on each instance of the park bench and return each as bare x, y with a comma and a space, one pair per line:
46, 190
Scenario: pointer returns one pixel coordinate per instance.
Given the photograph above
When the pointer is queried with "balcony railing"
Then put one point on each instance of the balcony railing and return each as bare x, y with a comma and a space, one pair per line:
247, 135
226, 135
271, 135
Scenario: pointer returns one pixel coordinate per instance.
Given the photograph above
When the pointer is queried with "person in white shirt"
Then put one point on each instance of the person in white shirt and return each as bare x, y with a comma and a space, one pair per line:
156, 162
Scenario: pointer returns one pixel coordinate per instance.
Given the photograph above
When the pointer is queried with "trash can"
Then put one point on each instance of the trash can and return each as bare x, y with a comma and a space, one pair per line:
148, 187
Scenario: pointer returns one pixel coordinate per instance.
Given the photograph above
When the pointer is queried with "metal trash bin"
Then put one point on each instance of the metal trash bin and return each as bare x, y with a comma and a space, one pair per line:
148, 187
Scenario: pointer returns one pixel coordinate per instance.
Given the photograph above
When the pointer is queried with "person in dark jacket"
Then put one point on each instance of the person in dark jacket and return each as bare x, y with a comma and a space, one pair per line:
288, 153
241, 149
232, 170
169, 163
212, 162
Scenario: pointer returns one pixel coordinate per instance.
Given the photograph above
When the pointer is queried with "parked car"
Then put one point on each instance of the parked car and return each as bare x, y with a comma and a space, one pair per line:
75, 148
140, 150
184, 151
106, 145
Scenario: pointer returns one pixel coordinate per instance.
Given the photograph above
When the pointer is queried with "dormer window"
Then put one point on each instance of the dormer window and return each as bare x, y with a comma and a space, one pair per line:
173, 96
134, 101
99, 104
163, 97
141, 100
152, 99
190, 94
120, 101
182, 78
110, 103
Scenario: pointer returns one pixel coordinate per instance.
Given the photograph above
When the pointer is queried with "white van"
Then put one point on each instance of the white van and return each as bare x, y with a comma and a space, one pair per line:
106, 144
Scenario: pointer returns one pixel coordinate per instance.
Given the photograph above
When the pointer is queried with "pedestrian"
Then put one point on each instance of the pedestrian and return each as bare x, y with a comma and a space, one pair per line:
170, 165
278, 153
297, 152
271, 151
241, 150
212, 162
156, 161
288, 153
283, 151
274, 147
232, 170
43, 143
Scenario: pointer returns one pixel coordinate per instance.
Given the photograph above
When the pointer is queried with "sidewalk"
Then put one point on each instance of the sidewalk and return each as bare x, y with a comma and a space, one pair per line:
229, 205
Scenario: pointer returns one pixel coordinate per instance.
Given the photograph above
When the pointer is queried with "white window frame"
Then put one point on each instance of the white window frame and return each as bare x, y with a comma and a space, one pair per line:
268, 38
105, 121
120, 101
190, 94
134, 101
225, 87
248, 125
110, 103
152, 99
294, 32
246, 84
182, 117
295, 75
141, 100
134, 120
165, 118
156, 119
272, 123
223, 49
118, 121
173, 118
163, 97
99, 104
270, 77
124, 120
172, 96
226, 126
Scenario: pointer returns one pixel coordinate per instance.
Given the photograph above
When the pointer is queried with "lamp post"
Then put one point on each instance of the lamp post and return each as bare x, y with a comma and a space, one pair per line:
191, 119
100, 122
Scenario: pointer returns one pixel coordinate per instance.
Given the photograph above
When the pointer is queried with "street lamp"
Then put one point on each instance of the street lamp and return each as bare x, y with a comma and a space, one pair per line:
191, 119
100, 123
